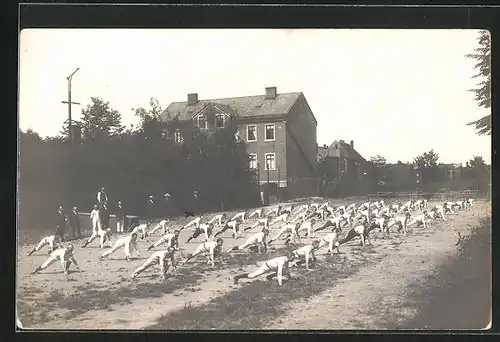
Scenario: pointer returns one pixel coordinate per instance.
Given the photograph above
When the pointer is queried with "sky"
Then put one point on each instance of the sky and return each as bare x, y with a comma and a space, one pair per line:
397, 93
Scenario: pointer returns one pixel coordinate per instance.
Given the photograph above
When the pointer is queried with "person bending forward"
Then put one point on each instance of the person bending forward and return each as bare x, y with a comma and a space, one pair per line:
163, 258
275, 267
65, 255
129, 243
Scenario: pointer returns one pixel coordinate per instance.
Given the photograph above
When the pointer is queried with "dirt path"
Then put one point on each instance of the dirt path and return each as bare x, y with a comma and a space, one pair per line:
353, 290
382, 296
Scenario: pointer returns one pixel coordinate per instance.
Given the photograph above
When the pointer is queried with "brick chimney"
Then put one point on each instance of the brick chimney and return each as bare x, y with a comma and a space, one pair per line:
192, 99
271, 93
324, 146
342, 141
352, 144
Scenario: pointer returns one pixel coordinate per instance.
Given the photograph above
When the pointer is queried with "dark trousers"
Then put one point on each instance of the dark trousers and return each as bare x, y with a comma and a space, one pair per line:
60, 232
75, 226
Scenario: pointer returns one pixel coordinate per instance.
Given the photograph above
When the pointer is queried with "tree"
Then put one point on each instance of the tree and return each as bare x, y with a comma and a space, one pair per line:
65, 128
482, 94
426, 160
99, 119
380, 169
150, 125
477, 162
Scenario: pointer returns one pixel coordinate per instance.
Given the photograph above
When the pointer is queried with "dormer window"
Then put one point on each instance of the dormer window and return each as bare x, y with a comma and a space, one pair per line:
178, 138
219, 120
202, 121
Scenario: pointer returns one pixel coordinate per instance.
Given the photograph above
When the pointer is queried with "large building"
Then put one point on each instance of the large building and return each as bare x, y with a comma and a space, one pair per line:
279, 131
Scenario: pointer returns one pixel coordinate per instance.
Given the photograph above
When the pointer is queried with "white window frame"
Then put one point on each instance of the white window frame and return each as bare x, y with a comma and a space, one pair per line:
247, 127
206, 121
178, 137
256, 160
274, 132
223, 120
272, 168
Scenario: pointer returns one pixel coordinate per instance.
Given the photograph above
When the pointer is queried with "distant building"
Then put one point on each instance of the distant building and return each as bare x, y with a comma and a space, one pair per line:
450, 171
279, 131
342, 169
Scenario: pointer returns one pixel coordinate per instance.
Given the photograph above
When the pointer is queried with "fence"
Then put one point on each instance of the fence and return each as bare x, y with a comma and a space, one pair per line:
441, 196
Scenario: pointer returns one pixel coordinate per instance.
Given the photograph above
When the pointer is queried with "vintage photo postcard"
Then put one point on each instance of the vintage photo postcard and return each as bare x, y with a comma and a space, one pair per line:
242, 179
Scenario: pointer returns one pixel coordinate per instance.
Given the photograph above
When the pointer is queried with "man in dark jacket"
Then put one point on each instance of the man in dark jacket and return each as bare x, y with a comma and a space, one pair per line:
104, 216
102, 196
61, 220
151, 207
120, 218
74, 222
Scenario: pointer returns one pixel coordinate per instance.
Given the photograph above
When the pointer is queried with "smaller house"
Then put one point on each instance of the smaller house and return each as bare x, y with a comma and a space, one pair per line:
342, 169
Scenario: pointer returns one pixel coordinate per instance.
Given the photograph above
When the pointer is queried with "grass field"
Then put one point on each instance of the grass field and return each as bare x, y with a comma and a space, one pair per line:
386, 285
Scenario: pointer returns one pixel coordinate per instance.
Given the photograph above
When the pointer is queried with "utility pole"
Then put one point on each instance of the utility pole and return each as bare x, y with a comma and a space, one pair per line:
70, 128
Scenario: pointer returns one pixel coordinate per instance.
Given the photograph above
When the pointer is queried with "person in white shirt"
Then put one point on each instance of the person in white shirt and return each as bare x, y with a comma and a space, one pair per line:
52, 241
104, 235
203, 228
288, 209
307, 226
163, 225
331, 240
275, 211
65, 255
287, 228
141, 229
400, 221
275, 267
258, 212
171, 239
234, 225
162, 258
212, 248
94, 218
362, 231
195, 222
306, 253
260, 222
218, 218
255, 240
301, 216
419, 220
129, 242
281, 218
239, 217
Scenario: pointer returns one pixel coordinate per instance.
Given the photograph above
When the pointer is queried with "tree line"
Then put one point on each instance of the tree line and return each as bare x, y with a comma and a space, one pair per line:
132, 163
426, 170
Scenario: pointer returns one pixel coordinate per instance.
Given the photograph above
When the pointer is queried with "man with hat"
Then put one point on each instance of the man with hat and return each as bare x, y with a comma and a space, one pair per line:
74, 222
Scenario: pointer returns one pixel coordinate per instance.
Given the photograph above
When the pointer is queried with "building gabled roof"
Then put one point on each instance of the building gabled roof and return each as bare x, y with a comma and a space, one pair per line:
246, 106
349, 151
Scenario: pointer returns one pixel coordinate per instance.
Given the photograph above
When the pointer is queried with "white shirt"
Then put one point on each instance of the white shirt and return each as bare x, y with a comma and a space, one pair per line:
63, 254
162, 258
94, 215
278, 264
305, 250
140, 229
50, 240
256, 238
127, 242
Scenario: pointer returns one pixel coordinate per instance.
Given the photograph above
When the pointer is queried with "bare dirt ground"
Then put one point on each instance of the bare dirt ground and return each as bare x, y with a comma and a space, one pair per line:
387, 285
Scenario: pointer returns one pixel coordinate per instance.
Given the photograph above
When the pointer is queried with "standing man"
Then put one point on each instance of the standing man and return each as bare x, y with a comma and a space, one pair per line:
74, 222
168, 206
104, 217
150, 207
61, 220
196, 202
102, 196
94, 218
120, 218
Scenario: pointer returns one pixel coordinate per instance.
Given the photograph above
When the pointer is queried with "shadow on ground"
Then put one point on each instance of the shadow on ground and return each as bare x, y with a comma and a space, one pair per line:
252, 303
458, 295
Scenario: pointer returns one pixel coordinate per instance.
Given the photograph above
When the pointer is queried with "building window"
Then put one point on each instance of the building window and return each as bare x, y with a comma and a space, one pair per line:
251, 133
219, 120
164, 134
269, 132
345, 165
178, 138
253, 161
270, 161
202, 122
